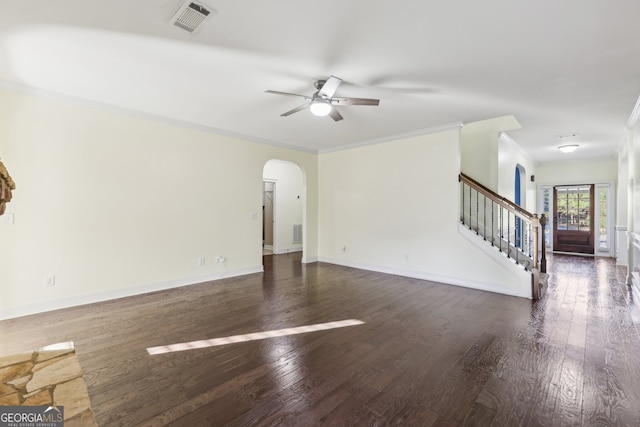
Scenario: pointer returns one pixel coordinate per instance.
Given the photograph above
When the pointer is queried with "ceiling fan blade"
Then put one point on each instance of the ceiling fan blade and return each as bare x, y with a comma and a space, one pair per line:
275, 92
354, 101
335, 115
330, 86
295, 110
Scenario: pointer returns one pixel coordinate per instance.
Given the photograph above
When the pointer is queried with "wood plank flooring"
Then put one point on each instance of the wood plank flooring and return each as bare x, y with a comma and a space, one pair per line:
427, 355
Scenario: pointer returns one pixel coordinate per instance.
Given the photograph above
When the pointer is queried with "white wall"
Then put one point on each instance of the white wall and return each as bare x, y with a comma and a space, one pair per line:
582, 172
480, 150
633, 204
623, 182
597, 171
509, 156
289, 191
479, 154
395, 207
634, 173
114, 205
623, 199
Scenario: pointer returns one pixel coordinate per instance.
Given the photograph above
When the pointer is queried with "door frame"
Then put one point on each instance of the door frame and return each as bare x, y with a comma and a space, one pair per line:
274, 222
557, 233
272, 175
546, 206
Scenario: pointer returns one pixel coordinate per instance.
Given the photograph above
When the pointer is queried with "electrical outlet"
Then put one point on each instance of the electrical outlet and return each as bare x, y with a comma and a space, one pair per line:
49, 281
220, 259
202, 261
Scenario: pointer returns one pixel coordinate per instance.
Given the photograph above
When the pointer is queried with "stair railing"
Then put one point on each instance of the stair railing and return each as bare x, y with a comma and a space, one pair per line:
505, 225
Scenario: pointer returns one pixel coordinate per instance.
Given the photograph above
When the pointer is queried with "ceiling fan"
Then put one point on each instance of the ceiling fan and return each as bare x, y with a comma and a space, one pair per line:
322, 103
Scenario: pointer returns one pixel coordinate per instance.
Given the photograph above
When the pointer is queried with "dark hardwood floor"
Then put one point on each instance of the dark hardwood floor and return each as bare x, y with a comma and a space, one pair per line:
427, 355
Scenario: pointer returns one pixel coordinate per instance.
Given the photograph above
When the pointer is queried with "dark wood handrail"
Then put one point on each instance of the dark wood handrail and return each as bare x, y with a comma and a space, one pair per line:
525, 216
490, 194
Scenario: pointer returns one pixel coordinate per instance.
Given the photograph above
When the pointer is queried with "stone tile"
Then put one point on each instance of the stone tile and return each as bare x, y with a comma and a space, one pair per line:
66, 346
41, 356
20, 382
16, 358
73, 396
52, 374
42, 397
54, 371
85, 419
10, 400
6, 389
9, 373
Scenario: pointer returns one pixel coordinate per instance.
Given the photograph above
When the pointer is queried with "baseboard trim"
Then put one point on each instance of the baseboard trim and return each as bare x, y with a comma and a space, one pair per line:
75, 301
287, 251
423, 275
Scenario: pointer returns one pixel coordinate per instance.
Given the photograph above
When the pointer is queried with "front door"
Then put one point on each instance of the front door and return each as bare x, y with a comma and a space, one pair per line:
573, 225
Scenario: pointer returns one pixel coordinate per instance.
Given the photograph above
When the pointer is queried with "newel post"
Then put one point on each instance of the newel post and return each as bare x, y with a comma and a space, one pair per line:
543, 260
536, 237
535, 272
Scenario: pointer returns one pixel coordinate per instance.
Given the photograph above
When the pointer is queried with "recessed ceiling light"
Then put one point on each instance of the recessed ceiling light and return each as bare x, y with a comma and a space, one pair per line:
568, 148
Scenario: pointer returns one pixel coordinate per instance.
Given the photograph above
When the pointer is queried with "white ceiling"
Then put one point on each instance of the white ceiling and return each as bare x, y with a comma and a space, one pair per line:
559, 67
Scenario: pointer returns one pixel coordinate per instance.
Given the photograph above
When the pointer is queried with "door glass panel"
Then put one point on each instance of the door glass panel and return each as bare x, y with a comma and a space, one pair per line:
562, 221
584, 209
574, 205
572, 210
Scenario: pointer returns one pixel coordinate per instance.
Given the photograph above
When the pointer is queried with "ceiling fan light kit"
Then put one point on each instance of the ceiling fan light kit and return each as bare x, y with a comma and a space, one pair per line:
320, 107
322, 103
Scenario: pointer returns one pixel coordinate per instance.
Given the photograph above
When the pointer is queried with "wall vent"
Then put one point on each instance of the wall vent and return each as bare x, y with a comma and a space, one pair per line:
297, 233
191, 16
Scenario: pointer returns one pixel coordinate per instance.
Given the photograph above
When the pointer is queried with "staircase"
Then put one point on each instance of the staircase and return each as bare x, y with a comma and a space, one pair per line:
507, 227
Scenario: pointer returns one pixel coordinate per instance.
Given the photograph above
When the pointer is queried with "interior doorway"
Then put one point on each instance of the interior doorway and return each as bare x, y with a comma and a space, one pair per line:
283, 206
573, 210
268, 196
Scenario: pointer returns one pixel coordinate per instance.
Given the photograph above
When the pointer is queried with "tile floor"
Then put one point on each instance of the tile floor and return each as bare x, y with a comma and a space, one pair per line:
49, 376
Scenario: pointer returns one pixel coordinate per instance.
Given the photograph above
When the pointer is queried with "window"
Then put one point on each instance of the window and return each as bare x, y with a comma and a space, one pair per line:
602, 217
545, 192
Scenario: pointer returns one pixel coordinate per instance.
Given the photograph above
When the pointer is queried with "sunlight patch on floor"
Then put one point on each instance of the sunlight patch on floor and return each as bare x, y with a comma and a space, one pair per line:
251, 337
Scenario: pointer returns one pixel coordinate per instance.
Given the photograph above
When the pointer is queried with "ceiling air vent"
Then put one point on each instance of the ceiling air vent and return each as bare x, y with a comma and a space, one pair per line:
191, 16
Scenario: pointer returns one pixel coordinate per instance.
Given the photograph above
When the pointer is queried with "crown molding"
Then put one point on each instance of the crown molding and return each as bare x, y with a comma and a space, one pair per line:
635, 114
395, 137
507, 139
30, 90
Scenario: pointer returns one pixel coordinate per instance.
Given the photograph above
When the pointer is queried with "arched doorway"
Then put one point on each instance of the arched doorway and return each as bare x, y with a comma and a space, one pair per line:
283, 196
